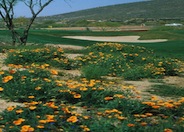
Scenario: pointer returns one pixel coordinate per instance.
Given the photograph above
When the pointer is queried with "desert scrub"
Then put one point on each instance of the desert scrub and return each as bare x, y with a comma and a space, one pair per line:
52, 56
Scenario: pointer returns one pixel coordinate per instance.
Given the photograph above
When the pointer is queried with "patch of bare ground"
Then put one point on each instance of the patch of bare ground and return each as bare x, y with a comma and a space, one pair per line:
174, 80
142, 87
5, 104
2, 65
73, 56
66, 47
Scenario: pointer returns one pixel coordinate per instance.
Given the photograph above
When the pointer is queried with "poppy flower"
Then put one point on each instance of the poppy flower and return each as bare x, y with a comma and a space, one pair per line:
72, 119
1, 89
7, 79
77, 96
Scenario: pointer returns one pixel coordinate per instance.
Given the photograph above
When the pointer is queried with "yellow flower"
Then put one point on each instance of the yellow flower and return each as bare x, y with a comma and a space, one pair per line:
19, 111
31, 97
1, 72
77, 96
121, 118
168, 130
54, 72
50, 118
18, 121
155, 106
130, 125
23, 77
143, 124
1, 89
42, 121
38, 88
10, 108
27, 128
84, 89
72, 119
7, 79
32, 107
108, 98
86, 117
119, 96
40, 126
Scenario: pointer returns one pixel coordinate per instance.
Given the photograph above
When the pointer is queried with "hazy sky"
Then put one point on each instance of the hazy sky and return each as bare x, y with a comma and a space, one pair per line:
60, 6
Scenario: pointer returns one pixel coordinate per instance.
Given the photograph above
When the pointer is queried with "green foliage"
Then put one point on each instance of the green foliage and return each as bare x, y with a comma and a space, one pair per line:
93, 71
52, 56
52, 104
167, 90
130, 62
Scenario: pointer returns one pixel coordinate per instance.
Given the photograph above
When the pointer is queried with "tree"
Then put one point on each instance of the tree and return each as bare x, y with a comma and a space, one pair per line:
7, 14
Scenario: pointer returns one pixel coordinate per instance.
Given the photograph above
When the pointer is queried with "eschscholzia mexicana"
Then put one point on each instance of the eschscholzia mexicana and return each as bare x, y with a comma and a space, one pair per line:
130, 125
1, 72
42, 121
40, 126
77, 96
19, 111
10, 108
54, 72
32, 107
27, 128
168, 130
38, 88
12, 71
31, 97
18, 121
7, 79
1, 89
108, 98
72, 119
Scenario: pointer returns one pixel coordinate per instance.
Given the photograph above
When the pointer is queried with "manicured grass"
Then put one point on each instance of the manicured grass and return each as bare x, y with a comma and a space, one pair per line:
172, 48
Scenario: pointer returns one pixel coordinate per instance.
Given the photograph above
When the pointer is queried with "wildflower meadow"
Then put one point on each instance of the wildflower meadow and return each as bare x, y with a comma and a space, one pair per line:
52, 102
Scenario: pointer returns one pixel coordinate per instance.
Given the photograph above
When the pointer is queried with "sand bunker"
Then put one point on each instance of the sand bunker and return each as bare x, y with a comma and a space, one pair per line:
131, 39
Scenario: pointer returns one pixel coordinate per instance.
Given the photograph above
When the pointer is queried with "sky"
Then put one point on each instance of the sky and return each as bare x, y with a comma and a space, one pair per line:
65, 6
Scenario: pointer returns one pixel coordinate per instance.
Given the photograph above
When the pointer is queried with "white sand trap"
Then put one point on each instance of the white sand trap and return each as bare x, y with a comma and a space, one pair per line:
132, 39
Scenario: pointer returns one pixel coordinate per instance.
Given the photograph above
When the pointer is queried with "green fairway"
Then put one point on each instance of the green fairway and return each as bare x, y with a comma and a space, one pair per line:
172, 48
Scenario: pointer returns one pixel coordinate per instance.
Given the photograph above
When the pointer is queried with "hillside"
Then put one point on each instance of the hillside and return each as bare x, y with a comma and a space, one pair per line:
154, 9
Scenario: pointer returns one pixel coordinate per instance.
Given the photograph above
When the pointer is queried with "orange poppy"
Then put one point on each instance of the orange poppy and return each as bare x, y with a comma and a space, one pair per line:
1, 89
130, 125
168, 130
27, 128
77, 96
7, 79
32, 107
19, 111
108, 98
54, 72
18, 121
72, 119
10, 108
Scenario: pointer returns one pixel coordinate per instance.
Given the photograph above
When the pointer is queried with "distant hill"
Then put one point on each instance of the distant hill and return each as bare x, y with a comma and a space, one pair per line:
153, 9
